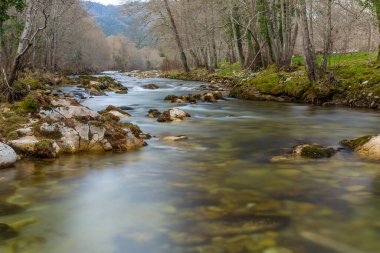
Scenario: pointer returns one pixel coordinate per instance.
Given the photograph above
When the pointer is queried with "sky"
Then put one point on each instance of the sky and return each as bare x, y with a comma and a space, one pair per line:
105, 2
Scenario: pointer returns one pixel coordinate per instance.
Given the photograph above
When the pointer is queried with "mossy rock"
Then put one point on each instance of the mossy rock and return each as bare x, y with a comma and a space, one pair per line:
313, 151
136, 131
122, 92
7, 232
154, 113
45, 149
9, 209
356, 143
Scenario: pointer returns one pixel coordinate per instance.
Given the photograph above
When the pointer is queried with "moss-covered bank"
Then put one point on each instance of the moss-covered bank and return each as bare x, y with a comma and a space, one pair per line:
352, 83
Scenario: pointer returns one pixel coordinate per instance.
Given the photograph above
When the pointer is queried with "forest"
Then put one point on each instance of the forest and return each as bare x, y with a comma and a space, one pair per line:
178, 126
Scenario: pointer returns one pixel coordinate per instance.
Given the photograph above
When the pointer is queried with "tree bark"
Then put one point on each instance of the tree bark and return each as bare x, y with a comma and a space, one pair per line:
234, 17
377, 8
309, 51
328, 38
177, 38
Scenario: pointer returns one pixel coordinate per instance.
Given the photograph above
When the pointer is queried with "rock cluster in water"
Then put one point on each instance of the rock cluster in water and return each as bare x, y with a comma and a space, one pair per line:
210, 97
173, 115
151, 86
68, 127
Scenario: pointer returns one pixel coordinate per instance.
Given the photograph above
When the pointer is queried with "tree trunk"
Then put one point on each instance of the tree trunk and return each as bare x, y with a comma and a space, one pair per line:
177, 38
234, 16
377, 8
309, 51
328, 38
23, 43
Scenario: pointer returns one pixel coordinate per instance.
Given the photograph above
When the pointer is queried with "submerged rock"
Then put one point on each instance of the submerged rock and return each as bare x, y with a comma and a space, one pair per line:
7, 232
7, 156
367, 147
313, 151
232, 226
210, 97
173, 115
9, 209
174, 138
151, 86
154, 113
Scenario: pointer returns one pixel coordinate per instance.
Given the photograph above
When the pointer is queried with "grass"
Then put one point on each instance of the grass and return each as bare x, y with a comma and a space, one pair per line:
337, 60
351, 77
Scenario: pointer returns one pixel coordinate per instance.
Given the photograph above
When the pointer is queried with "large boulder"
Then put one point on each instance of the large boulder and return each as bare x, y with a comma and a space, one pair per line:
173, 115
7, 156
367, 147
69, 112
68, 127
31, 146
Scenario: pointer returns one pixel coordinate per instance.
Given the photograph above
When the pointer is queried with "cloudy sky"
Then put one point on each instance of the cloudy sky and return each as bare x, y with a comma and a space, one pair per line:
108, 1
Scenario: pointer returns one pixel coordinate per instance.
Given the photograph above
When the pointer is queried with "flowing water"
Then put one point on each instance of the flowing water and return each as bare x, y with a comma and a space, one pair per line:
216, 192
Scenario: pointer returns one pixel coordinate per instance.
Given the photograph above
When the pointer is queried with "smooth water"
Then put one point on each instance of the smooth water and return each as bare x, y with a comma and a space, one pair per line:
216, 192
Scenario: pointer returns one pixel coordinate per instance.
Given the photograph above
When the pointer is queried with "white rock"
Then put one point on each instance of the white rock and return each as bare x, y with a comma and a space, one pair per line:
7, 156
69, 112
174, 138
24, 131
25, 144
83, 130
177, 114
69, 142
61, 102
371, 149
119, 114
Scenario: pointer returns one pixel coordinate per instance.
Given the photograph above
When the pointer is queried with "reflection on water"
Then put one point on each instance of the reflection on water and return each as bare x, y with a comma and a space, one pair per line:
217, 192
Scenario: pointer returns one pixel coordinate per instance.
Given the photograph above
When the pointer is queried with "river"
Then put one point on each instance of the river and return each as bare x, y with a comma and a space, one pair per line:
216, 192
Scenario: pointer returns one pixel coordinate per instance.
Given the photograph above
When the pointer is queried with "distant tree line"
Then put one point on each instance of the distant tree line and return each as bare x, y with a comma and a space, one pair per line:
58, 35
259, 33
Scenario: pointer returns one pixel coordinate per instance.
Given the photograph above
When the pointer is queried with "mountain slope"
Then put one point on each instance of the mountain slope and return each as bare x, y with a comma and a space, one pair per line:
113, 21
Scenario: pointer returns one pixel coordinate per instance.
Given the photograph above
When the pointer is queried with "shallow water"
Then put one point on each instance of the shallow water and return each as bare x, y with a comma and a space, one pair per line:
217, 192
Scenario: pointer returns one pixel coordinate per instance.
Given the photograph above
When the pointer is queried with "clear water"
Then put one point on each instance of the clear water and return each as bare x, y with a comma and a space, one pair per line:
216, 192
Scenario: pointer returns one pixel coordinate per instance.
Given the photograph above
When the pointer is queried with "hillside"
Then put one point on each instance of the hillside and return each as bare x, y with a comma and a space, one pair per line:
113, 21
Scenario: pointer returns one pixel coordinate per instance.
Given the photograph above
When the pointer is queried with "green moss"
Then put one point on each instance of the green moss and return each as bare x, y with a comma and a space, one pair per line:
12, 135
10, 122
44, 149
355, 143
317, 152
30, 104
134, 128
122, 92
33, 83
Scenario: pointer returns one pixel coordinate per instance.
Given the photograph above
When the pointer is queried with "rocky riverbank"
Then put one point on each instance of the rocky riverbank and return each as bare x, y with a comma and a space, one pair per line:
351, 86
49, 122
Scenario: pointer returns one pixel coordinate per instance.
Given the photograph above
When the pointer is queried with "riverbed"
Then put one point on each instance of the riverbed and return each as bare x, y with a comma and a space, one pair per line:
219, 191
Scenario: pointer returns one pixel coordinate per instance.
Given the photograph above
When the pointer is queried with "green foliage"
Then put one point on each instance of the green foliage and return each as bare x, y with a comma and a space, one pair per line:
355, 143
5, 5
10, 122
136, 131
342, 59
30, 104
44, 149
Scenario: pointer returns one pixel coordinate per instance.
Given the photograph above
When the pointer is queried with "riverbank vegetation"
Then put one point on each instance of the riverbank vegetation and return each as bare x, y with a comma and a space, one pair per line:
310, 51
353, 81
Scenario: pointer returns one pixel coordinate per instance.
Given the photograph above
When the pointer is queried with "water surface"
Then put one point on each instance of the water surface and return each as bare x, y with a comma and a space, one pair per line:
216, 192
